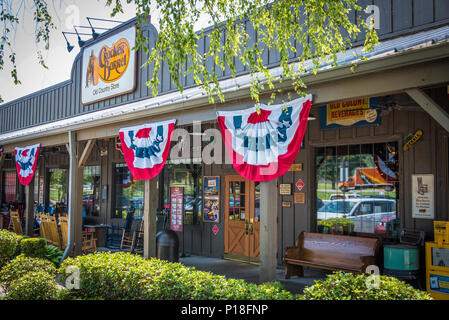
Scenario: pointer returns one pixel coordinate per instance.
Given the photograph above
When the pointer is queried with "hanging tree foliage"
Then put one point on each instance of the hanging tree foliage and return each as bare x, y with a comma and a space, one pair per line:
321, 28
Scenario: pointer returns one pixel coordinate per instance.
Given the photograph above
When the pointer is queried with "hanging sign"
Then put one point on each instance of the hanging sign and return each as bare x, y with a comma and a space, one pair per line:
423, 196
146, 148
176, 208
211, 207
26, 162
350, 113
264, 143
109, 67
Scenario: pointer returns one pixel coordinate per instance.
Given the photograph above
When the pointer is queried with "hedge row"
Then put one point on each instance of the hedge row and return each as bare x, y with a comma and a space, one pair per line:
124, 276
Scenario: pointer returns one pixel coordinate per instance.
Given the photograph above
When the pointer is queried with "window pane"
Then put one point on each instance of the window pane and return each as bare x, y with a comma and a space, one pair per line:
58, 186
128, 197
359, 183
91, 191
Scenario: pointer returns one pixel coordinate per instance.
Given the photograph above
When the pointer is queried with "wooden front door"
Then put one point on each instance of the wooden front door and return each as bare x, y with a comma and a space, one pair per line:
242, 219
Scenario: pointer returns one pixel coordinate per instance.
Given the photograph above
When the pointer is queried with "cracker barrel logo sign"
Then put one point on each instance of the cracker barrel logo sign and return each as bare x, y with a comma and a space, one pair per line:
109, 67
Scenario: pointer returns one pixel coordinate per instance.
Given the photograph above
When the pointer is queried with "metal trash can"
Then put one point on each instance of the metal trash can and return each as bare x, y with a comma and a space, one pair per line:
167, 246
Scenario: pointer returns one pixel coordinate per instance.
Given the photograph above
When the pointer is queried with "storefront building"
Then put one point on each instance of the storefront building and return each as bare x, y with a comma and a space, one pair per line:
355, 147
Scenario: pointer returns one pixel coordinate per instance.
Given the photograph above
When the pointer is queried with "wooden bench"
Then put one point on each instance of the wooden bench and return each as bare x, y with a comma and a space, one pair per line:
330, 252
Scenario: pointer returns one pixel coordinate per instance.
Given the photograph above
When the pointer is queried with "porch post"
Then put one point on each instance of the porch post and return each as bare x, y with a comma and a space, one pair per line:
149, 211
74, 237
268, 230
29, 209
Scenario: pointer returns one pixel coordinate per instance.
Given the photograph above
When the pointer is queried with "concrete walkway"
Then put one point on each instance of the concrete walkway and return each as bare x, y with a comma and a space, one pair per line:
250, 272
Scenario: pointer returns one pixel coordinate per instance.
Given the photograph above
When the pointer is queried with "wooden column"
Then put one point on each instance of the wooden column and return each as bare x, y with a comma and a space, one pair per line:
29, 208
149, 212
268, 230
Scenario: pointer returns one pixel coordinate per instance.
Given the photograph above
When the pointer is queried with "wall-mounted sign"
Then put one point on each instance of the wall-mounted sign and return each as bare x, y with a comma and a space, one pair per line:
411, 139
176, 208
215, 229
211, 202
299, 184
285, 189
295, 167
423, 196
299, 198
286, 204
109, 67
350, 113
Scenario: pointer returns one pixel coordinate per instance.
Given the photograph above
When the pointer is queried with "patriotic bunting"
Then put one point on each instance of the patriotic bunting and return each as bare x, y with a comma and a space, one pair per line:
263, 144
26, 163
146, 148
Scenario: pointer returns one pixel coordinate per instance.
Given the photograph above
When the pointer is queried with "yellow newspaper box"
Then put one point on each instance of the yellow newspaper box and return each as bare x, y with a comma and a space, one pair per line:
437, 262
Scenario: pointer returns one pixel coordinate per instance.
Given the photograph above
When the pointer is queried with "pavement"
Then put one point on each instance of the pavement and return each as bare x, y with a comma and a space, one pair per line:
250, 272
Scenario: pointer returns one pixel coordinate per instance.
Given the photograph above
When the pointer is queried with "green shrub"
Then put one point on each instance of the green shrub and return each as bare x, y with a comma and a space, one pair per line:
325, 226
347, 286
21, 265
9, 246
34, 285
53, 254
33, 247
125, 276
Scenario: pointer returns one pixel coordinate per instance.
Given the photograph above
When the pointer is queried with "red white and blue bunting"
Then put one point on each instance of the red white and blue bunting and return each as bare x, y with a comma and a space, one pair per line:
264, 143
146, 148
26, 163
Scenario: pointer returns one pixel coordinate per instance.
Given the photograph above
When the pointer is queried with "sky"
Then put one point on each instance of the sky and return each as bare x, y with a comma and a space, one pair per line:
66, 14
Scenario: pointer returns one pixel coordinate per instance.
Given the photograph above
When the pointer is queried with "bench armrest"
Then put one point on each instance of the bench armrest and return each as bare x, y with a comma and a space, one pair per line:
292, 252
367, 261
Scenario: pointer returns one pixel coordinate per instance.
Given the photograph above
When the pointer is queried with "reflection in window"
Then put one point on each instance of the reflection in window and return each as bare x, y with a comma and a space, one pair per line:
128, 194
358, 183
91, 190
58, 186
188, 176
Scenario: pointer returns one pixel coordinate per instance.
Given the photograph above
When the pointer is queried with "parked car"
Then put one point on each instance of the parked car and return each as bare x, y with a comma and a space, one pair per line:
340, 196
365, 213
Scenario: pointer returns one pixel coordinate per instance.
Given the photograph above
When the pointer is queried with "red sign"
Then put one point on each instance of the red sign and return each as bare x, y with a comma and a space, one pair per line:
215, 229
176, 208
299, 184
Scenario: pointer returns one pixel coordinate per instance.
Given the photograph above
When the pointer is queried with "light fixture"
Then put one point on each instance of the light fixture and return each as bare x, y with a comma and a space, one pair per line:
69, 46
311, 117
94, 34
80, 42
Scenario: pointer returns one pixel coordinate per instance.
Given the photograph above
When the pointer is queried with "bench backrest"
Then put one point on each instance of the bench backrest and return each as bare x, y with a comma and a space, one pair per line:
337, 248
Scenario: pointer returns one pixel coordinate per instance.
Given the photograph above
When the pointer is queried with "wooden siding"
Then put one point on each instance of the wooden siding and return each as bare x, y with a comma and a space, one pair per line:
62, 101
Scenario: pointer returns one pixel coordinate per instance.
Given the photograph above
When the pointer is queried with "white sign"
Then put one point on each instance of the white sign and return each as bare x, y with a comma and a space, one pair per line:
109, 67
423, 196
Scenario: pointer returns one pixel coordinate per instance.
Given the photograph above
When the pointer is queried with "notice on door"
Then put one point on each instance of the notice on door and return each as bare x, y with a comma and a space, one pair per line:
423, 196
176, 208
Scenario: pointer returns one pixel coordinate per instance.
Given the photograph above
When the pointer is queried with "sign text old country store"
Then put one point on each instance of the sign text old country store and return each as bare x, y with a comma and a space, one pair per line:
109, 67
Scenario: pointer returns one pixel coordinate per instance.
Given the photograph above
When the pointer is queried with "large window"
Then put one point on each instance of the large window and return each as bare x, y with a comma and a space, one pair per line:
91, 190
359, 183
188, 176
58, 186
128, 193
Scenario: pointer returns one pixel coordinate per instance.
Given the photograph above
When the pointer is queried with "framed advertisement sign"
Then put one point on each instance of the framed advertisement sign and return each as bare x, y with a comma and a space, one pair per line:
350, 113
109, 67
176, 208
211, 199
423, 196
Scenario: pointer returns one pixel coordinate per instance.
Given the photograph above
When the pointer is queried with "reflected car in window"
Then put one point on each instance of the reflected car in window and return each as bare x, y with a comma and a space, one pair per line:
366, 213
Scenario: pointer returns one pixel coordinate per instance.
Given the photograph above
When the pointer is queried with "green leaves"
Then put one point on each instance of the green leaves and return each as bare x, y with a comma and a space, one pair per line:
317, 29
347, 286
